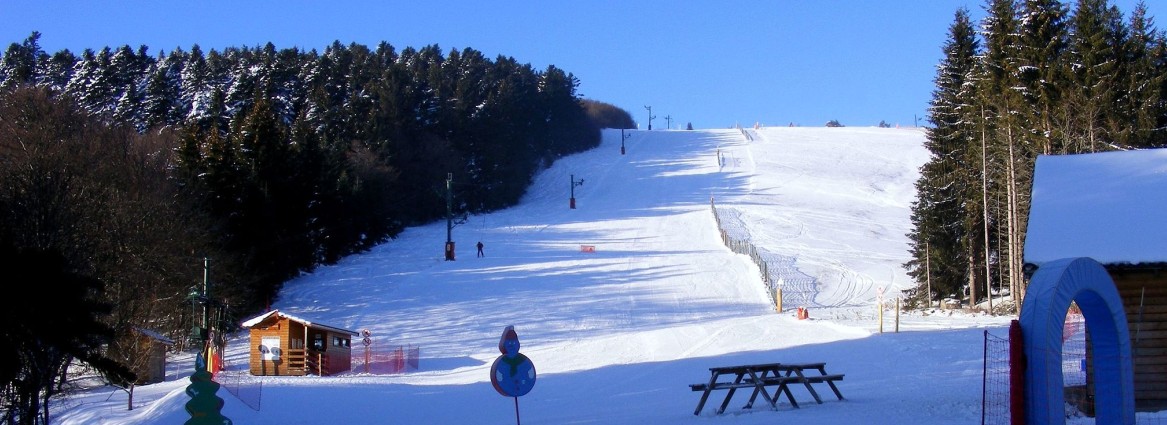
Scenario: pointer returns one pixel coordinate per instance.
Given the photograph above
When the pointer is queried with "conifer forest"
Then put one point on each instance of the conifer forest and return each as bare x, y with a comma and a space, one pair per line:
1033, 78
129, 178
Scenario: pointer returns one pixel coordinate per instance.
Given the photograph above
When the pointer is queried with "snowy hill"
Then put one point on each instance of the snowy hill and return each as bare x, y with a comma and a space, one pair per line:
618, 334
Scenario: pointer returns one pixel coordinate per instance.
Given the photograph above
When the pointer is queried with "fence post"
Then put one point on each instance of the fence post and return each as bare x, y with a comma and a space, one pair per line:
1017, 367
984, 375
897, 315
778, 298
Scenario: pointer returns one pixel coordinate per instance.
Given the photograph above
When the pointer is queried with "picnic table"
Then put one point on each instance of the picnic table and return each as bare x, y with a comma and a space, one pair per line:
758, 377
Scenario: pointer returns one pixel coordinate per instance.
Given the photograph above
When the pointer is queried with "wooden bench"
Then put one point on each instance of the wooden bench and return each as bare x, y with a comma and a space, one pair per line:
776, 375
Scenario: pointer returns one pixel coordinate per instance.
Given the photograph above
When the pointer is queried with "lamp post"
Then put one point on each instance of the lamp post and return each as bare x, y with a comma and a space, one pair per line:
650, 117
574, 183
669, 122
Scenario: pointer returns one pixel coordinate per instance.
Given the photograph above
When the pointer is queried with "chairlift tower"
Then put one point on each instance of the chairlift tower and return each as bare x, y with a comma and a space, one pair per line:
574, 183
449, 217
623, 137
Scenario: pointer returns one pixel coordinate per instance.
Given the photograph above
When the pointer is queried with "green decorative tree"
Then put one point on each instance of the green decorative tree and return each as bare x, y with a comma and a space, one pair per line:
204, 405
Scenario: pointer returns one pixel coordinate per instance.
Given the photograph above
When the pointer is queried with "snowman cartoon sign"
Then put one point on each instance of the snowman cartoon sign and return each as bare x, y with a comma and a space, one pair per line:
512, 373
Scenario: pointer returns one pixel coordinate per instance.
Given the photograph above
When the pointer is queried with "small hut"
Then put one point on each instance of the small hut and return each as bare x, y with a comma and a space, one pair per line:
283, 344
149, 362
1109, 207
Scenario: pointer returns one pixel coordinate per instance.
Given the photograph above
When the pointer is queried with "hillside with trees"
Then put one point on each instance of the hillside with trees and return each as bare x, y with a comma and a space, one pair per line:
1037, 78
128, 169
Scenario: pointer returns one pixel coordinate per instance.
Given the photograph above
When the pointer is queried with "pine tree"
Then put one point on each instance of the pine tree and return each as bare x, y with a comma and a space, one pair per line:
20, 62
56, 72
1006, 131
91, 85
937, 232
160, 103
128, 110
1040, 45
1094, 78
196, 88
1147, 81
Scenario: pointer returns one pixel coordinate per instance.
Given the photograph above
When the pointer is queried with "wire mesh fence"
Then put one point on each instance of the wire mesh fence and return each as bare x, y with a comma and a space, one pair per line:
786, 285
241, 384
995, 403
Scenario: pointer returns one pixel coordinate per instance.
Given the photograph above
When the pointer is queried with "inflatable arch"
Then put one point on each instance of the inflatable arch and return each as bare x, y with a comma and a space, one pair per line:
1043, 313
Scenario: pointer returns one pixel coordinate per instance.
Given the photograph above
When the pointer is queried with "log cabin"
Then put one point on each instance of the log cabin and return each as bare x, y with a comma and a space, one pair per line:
1109, 206
286, 345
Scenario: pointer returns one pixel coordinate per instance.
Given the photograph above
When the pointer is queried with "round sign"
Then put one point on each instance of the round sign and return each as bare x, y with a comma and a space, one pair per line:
512, 373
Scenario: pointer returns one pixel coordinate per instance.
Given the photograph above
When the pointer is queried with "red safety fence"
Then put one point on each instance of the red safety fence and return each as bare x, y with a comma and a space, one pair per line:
399, 359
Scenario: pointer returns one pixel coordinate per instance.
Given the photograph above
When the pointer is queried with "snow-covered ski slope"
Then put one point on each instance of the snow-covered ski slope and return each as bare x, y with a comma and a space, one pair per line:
617, 334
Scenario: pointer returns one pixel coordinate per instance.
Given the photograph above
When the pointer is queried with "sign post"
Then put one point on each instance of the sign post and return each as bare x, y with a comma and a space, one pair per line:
367, 341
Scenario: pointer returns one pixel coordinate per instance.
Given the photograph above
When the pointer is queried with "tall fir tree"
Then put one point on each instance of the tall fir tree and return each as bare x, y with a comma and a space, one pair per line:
936, 236
1147, 81
1093, 86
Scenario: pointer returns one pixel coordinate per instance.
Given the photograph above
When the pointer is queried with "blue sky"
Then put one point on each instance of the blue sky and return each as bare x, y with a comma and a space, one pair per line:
712, 64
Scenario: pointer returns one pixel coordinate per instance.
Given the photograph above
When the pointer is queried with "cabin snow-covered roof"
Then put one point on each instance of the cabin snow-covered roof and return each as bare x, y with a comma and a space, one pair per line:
155, 335
259, 319
1108, 206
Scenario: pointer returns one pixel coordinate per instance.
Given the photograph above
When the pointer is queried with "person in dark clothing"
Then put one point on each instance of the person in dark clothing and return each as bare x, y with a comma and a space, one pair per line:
480, 254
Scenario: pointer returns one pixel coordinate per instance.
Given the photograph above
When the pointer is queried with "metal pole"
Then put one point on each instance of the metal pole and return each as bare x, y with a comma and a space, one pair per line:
984, 372
206, 289
449, 207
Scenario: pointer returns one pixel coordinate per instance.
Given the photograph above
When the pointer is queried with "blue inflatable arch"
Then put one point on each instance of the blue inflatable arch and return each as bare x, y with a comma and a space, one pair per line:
1043, 314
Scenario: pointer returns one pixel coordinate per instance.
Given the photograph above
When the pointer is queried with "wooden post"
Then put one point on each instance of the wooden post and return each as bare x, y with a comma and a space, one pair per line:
778, 299
897, 315
879, 306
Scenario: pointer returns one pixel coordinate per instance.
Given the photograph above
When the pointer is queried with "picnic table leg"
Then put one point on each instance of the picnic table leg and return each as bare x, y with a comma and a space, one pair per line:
783, 388
835, 389
729, 394
759, 387
814, 393
705, 396
838, 394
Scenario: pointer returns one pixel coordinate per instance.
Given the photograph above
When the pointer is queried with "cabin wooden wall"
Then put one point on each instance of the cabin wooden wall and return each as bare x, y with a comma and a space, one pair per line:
1144, 295
291, 361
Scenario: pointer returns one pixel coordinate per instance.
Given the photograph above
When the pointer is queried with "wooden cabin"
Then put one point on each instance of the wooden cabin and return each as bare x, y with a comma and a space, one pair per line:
1109, 207
146, 355
285, 345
